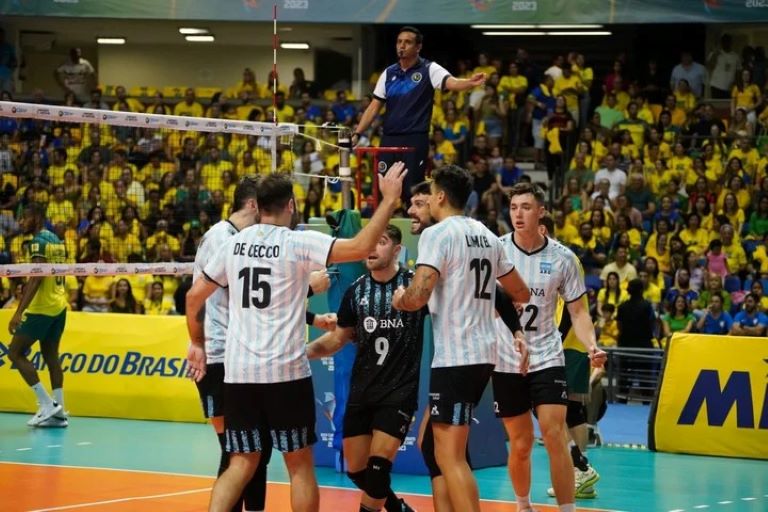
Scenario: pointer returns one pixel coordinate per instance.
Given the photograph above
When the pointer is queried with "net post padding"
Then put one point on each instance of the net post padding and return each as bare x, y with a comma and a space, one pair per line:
360, 152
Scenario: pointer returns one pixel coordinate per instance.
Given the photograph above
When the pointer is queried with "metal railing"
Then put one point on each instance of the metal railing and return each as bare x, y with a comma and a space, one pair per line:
633, 373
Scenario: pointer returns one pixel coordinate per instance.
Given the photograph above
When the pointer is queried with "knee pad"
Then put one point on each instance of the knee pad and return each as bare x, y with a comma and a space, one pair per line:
574, 415
428, 452
358, 478
378, 477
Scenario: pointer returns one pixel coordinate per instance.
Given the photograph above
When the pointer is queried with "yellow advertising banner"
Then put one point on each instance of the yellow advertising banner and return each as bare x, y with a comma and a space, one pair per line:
713, 397
115, 366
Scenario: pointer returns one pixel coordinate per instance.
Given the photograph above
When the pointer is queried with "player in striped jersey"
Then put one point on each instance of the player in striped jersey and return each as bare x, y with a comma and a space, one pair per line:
551, 270
458, 261
385, 376
268, 388
421, 220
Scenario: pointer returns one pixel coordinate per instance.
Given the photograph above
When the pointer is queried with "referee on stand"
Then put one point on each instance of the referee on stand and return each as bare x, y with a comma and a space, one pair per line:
408, 89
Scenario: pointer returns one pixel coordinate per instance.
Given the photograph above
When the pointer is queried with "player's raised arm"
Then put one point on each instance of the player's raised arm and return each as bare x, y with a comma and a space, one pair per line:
330, 342
358, 248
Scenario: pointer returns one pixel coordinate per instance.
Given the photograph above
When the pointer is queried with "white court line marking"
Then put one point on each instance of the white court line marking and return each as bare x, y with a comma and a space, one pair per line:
701, 506
84, 443
54, 446
23, 449
724, 502
122, 500
748, 499
678, 510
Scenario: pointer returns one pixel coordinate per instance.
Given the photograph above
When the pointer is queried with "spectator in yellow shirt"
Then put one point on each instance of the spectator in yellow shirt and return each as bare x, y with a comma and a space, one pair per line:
445, 152
59, 208
126, 103
684, 98
161, 236
607, 326
157, 303
189, 106
97, 293
746, 95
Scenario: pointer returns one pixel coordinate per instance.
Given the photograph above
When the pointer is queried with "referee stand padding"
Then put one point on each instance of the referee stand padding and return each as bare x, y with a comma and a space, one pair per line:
713, 397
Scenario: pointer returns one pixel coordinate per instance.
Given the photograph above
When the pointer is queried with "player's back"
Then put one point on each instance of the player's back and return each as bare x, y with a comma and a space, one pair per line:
467, 255
551, 272
51, 296
266, 269
216, 306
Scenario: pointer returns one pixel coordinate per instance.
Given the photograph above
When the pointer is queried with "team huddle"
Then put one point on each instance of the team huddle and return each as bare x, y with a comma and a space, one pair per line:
246, 313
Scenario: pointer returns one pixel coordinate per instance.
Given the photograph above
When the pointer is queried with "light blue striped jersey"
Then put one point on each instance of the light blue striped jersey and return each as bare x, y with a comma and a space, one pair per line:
469, 258
549, 272
267, 269
216, 310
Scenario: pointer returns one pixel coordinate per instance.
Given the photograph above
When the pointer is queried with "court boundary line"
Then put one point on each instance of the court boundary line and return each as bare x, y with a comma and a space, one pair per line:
170, 473
121, 500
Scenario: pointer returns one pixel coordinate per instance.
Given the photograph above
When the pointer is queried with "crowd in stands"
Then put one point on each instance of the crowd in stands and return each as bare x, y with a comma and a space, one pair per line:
649, 177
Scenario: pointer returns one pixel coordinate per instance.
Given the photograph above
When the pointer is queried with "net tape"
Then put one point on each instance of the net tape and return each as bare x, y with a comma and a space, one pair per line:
118, 118
99, 269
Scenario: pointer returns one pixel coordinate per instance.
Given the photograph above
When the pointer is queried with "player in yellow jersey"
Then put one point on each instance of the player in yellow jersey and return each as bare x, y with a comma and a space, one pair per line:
41, 315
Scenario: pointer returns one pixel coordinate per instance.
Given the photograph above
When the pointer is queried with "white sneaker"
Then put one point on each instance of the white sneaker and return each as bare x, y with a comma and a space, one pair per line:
585, 479
62, 415
54, 422
44, 413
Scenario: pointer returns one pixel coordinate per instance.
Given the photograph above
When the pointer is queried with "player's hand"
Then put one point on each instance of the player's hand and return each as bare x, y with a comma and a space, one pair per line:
391, 183
196, 362
397, 298
597, 356
477, 79
521, 346
14, 324
326, 322
319, 281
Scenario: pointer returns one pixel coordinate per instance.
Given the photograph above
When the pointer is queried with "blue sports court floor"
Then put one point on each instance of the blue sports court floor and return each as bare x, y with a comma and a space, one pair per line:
633, 479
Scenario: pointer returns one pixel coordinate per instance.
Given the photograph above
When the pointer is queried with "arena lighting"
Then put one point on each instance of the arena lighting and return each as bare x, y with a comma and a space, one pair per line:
192, 31
595, 33
514, 33
502, 27
294, 46
568, 26
208, 38
110, 40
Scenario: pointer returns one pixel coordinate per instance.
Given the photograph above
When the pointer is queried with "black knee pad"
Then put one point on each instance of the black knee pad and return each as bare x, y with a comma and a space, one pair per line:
378, 477
358, 478
575, 415
428, 452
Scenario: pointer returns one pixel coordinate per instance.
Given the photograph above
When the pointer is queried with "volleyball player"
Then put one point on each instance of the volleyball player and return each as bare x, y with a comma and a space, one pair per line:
41, 315
551, 270
268, 389
421, 220
385, 376
459, 260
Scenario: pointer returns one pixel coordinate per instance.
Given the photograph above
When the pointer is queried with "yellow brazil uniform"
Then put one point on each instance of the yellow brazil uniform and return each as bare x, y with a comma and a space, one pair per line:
45, 316
577, 365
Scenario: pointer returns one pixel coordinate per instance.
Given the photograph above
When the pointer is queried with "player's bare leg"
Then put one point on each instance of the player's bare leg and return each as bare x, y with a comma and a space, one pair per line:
229, 486
440, 499
450, 453
554, 432
305, 496
520, 432
19, 345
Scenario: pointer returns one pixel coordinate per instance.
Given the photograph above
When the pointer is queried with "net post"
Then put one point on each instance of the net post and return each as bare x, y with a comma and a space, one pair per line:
345, 170
359, 177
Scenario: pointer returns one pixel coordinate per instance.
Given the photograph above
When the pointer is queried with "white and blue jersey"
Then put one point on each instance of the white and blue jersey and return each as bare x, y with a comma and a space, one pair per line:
216, 306
409, 96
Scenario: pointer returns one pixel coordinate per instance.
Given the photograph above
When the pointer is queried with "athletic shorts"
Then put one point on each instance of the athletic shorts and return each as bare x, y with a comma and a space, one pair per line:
454, 391
577, 368
363, 419
284, 411
515, 394
211, 390
44, 328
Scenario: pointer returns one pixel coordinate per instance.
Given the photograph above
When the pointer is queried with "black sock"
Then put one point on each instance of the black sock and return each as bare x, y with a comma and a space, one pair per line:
393, 503
579, 460
255, 492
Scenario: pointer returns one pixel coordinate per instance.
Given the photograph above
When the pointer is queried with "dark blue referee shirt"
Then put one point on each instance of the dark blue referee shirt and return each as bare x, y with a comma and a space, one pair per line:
409, 95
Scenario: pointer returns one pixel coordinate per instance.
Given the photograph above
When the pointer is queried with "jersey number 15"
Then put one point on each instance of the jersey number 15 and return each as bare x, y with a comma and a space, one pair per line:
255, 290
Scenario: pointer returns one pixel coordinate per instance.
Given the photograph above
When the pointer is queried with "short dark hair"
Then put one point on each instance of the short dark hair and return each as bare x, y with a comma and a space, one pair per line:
610, 308
414, 31
715, 244
247, 188
456, 182
719, 295
520, 189
548, 222
635, 289
421, 189
35, 210
754, 297
394, 234
274, 192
